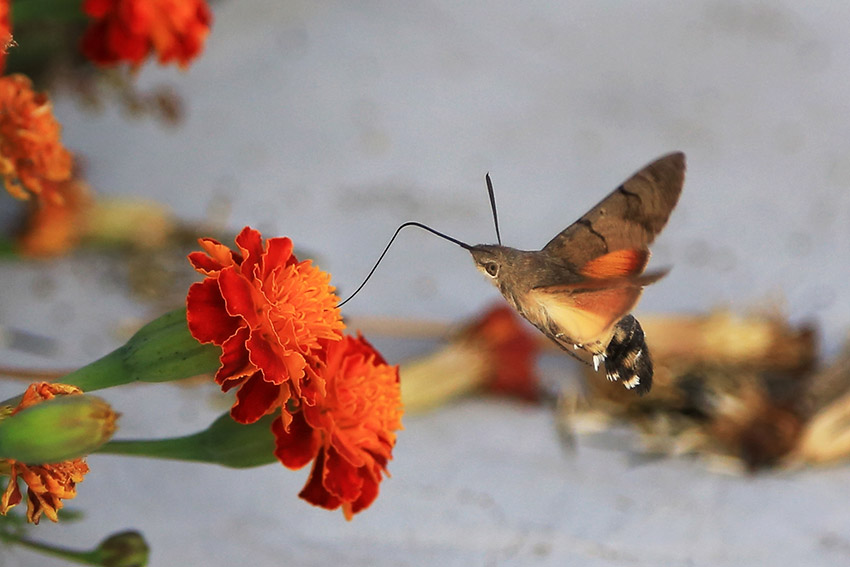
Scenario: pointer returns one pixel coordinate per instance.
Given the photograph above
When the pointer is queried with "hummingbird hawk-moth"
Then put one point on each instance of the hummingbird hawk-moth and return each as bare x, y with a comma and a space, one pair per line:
581, 286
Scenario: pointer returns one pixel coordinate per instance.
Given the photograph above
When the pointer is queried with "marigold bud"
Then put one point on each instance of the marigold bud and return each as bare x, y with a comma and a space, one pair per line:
124, 549
56, 430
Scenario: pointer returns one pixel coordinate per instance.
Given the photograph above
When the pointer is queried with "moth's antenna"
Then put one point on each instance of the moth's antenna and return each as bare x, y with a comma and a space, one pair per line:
463, 245
493, 206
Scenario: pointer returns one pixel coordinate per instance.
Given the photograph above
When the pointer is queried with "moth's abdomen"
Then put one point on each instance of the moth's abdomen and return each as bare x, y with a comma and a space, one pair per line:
627, 356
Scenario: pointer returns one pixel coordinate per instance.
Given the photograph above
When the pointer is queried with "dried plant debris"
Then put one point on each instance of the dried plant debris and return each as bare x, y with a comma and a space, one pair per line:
732, 388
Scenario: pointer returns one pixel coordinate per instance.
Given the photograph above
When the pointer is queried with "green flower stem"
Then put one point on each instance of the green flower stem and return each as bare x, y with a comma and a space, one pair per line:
225, 443
102, 373
161, 351
83, 557
122, 549
8, 250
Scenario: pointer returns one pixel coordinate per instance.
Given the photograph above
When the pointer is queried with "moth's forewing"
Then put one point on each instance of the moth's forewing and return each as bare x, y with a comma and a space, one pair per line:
630, 217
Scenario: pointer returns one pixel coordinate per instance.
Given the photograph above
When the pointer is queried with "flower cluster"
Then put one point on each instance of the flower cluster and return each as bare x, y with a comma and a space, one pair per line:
129, 30
277, 322
47, 484
32, 158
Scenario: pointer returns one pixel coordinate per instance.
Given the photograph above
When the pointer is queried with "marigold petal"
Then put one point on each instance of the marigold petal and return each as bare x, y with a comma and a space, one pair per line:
11, 496
48, 485
257, 398
221, 254
204, 264
296, 444
235, 361
206, 314
38, 392
314, 491
341, 478
368, 494
241, 298
250, 243
278, 365
279, 253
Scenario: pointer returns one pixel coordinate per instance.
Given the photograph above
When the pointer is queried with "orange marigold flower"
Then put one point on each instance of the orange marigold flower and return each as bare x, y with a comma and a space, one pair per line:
269, 313
47, 485
32, 159
128, 30
350, 431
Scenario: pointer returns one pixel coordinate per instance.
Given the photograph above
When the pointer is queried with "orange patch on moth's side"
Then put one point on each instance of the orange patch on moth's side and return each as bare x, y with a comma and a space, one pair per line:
589, 316
617, 264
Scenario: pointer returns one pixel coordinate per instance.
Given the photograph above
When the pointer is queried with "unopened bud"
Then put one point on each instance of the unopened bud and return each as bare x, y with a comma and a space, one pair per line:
57, 430
124, 549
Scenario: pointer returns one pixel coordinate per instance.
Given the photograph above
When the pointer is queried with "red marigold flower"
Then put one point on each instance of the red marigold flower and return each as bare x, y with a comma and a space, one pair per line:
128, 30
270, 314
5, 33
32, 159
350, 431
47, 485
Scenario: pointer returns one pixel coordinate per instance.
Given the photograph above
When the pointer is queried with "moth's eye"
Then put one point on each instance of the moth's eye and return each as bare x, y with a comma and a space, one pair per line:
492, 269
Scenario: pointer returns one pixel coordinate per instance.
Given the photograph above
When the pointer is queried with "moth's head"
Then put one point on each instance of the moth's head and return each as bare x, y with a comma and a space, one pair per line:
489, 259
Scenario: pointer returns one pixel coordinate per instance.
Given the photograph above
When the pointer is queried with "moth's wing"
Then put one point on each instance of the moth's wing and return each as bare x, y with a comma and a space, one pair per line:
588, 314
629, 218
610, 285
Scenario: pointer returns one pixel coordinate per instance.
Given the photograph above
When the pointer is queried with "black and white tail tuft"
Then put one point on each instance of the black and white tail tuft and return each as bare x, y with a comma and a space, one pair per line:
627, 357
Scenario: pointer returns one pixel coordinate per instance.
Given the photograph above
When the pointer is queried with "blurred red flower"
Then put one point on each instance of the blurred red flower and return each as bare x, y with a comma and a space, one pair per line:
129, 30
5, 33
512, 350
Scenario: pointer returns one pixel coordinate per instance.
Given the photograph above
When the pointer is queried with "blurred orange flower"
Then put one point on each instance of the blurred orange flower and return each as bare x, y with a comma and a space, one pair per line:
128, 30
47, 485
271, 315
350, 431
32, 158
53, 229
